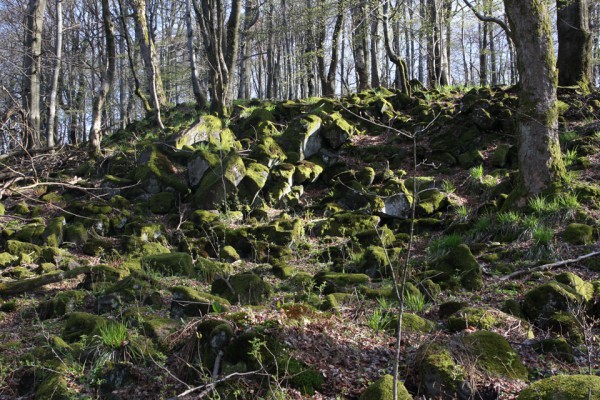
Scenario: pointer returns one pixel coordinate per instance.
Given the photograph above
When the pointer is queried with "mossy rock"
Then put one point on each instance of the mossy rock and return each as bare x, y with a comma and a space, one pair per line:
348, 224
450, 307
413, 323
53, 234
583, 288
75, 233
7, 259
162, 203
578, 233
439, 375
307, 172
567, 325
500, 157
81, 323
268, 152
253, 182
200, 163
244, 288
61, 304
563, 387
461, 264
337, 130
228, 254
2, 209
22, 209
137, 247
157, 172
18, 249
430, 201
172, 264
376, 263
382, 236
55, 387
383, 388
192, 303
543, 301
220, 183
31, 233
208, 269
340, 282
487, 319
558, 347
301, 140
493, 354
129, 289
160, 328
300, 376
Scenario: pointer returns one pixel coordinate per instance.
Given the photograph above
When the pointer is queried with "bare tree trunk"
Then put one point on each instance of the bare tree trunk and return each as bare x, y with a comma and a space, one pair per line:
360, 44
574, 43
50, 135
483, 35
108, 76
32, 65
149, 56
198, 93
394, 57
375, 81
329, 81
541, 168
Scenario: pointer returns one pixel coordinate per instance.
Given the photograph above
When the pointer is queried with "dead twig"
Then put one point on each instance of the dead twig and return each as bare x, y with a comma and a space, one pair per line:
549, 266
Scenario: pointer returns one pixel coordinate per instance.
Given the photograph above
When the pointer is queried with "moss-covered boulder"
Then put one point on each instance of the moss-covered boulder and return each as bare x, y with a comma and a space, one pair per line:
487, 319
160, 328
563, 387
544, 300
557, 347
209, 129
566, 324
347, 224
220, 183
412, 323
53, 234
253, 182
382, 389
244, 288
75, 233
459, 264
61, 304
81, 323
6, 260
170, 264
200, 163
301, 140
55, 387
268, 152
307, 172
337, 130
162, 203
31, 233
583, 288
439, 375
192, 303
578, 233
430, 201
338, 282
492, 353
156, 172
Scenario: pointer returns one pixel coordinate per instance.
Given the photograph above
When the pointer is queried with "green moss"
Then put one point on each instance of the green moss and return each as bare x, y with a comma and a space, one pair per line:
558, 347
192, 303
413, 323
6, 260
340, 282
494, 355
461, 263
55, 387
61, 304
439, 375
348, 224
583, 288
473, 317
22, 209
268, 152
30, 233
567, 325
76, 233
17, 248
229, 254
563, 387
81, 323
170, 264
543, 301
2, 209
162, 203
578, 233
245, 288
382, 389
53, 234
159, 166
254, 180
301, 139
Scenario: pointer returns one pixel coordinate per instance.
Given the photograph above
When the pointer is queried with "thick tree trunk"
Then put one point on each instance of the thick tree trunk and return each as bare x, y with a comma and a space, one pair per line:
540, 164
375, 80
360, 44
401, 68
149, 56
50, 135
198, 93
32, 65
574, 43
108, 76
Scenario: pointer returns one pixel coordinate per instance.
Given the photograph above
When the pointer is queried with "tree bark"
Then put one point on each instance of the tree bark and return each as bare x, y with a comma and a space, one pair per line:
149, 56
574, 43
32, 65
360, 44
197, 90
108, 77
50, 135
541, 168
402, 70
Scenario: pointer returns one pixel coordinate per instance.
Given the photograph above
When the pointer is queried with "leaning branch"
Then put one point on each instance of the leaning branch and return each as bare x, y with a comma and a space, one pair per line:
486, 18
549, 266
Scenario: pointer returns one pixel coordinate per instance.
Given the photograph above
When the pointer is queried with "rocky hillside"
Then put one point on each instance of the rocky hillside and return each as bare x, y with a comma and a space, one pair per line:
255, 257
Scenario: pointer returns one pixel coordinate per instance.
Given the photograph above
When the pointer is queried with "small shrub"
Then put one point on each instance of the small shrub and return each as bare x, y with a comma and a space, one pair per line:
570, 157
415, 301
379, 320
476, 173
542, 235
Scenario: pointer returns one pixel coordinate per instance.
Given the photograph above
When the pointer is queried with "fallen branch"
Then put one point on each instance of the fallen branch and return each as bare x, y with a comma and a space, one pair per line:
207, 388
549, 266
26, 285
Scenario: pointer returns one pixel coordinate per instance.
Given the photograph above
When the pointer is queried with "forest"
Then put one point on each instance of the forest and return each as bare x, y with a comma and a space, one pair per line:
322, 199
